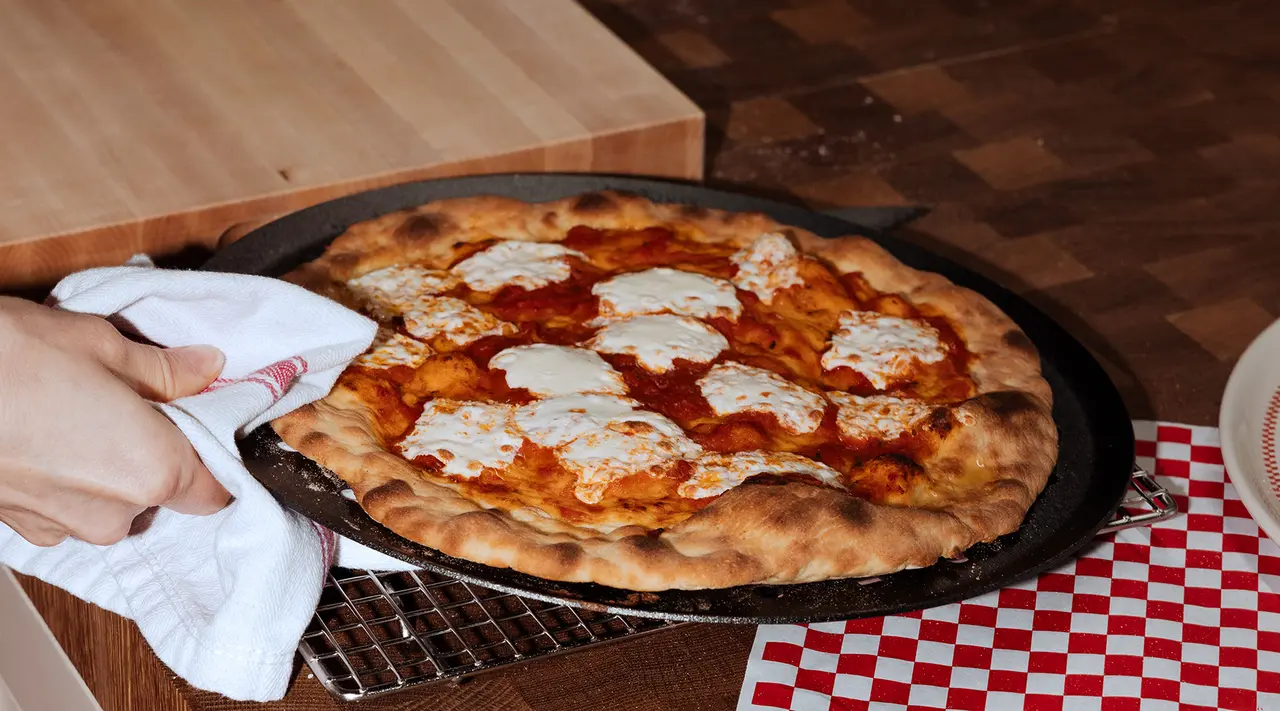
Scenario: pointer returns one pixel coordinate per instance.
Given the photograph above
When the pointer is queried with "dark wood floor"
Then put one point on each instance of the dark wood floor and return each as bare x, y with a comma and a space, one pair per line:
1115, 162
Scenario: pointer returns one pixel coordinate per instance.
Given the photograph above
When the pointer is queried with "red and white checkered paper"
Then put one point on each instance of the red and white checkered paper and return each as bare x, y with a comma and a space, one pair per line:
1182, 615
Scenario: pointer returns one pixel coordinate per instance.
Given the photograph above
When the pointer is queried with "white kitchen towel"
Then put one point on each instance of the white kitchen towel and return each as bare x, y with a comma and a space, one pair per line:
222, 599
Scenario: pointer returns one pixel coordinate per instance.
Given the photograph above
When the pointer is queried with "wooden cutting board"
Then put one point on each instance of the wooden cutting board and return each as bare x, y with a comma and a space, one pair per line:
155, 126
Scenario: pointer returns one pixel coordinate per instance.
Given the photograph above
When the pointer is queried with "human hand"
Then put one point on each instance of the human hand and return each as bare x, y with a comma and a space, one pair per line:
82, 452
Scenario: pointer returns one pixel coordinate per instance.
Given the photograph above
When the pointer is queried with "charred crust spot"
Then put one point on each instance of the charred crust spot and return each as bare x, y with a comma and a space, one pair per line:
854, 511
421, 226
1018, 341
312, 440
389, 492
593, 202
1008, 404
940, 421
646, 545
898, 461
694, 211
566, 555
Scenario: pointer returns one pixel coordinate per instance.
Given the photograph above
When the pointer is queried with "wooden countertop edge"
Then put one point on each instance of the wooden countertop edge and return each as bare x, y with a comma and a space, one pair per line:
212, 221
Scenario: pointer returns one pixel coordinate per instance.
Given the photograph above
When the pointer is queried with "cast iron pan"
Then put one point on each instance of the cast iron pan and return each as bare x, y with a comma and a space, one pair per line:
1092, 474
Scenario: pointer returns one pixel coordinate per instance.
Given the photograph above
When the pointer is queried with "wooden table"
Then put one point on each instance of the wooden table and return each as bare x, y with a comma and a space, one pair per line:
154, 126
1076, 151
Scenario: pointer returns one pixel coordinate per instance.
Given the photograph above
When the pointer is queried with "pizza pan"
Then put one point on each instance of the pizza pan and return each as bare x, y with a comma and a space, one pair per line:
1096, 437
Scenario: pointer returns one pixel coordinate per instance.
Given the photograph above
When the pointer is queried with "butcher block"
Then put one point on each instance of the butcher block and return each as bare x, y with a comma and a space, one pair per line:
160, 127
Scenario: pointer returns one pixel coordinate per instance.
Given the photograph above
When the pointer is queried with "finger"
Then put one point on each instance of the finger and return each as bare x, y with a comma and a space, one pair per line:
164, 374
198, 493
36, 529
90, 518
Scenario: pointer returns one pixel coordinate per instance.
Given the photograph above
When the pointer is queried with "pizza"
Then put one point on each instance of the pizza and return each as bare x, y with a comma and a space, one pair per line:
655, 396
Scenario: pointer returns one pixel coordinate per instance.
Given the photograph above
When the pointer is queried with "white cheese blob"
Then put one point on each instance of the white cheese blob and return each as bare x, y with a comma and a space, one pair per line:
663, 290
635, 443
467, 437
516, 263
558, 420
548, 370
734, 387
877, 416
394, 290
769, 265
882, 348
391, 348
455, 319
656, 341
716, 473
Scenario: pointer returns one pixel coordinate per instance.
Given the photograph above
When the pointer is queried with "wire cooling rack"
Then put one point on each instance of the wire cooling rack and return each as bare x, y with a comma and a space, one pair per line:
375, 633
378, 632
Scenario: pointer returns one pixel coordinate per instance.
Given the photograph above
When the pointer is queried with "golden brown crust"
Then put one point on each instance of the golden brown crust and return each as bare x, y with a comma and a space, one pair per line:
988, 470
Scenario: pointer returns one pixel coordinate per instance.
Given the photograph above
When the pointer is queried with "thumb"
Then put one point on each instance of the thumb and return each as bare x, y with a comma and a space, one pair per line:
199, 493
195, 490
164, 374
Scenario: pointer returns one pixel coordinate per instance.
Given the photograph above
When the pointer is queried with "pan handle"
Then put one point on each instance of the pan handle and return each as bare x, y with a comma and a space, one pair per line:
1148, 502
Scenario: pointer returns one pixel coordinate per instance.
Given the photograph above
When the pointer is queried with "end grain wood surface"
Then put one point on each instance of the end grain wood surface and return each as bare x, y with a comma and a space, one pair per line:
1114, 162
153, 126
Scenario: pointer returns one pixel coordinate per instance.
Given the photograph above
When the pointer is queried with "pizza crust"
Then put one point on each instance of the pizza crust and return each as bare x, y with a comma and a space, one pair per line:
784, 533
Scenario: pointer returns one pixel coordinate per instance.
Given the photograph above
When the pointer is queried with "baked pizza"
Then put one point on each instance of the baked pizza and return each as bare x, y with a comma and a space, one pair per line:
650, 396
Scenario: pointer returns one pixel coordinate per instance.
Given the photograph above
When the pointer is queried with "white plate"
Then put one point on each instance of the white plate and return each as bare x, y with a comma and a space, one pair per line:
1248, 423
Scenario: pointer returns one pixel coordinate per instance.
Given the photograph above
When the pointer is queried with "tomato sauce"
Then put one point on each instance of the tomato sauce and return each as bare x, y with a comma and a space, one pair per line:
561, 314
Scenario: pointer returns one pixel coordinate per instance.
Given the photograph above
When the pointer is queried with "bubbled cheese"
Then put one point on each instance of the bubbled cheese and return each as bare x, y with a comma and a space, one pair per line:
391, 349
558, 420
467, 437
602, 438
768, 266
663, 290
733, 387
877, 416
882, 348
516, 263
454, 319
635, 443
716, 473
549, 370
657, 341
392, 291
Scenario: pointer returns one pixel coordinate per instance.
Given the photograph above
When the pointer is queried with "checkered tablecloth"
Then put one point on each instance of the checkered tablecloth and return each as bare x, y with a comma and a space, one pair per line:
1184, 615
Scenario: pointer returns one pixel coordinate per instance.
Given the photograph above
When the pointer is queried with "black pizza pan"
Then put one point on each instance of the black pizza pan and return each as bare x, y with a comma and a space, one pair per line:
1087, 485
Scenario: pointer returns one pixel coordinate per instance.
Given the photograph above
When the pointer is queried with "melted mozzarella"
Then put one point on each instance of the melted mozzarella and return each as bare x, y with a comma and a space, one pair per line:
881, 348
454, 319
877, 416
716, 473
769, 265
656, 341
733, 387
516, 263
395, 290
558, 420
548, 370
467, 437
634, 443
390, 349
663, 290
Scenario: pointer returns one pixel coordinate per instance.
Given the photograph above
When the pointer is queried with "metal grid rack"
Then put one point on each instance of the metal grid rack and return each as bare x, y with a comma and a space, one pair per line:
378, 632
1146, 503
375, 633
